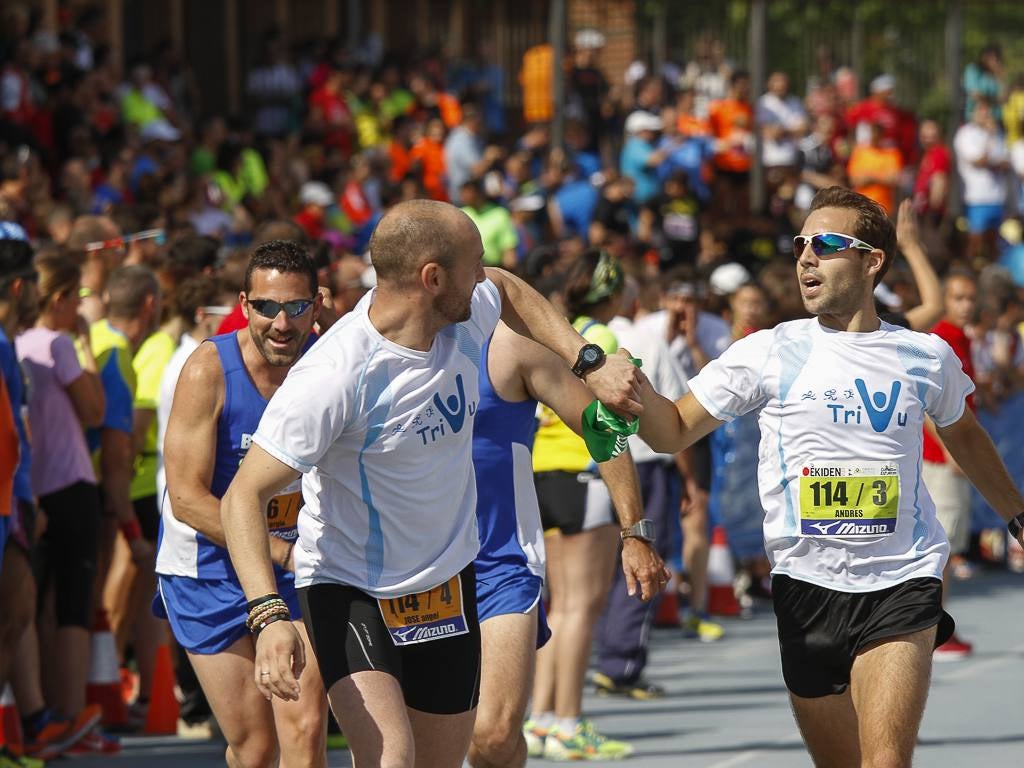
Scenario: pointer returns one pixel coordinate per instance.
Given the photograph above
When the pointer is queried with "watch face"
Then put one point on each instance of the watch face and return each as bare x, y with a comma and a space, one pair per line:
590, 355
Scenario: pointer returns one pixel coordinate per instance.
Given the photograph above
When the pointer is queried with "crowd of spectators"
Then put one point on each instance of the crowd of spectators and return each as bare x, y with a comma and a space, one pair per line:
148, 213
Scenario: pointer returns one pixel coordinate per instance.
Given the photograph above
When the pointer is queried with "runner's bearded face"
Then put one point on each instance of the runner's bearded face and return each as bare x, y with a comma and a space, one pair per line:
281, 338
462, 277
833, 283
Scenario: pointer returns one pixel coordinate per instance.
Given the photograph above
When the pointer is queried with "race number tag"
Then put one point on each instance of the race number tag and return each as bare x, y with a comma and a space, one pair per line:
847, 499
425, 616
283, 511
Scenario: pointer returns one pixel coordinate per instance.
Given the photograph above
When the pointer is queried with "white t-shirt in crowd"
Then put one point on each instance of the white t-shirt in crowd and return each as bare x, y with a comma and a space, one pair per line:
659, 365
168, 383
841, 418
383, 435
982, 186
713, 334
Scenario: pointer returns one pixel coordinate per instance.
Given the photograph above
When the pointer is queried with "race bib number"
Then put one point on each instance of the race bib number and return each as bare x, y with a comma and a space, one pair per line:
848, 499
425, 616
283, 512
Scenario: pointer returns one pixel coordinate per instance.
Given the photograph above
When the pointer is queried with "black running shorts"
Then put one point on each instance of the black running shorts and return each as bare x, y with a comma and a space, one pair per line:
348, 633
821, 630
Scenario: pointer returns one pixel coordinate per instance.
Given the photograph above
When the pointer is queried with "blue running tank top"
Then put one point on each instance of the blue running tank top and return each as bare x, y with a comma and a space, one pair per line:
508, 517
183, 551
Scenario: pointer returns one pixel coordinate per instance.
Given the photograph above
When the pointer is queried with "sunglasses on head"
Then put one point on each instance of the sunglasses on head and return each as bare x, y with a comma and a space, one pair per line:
828, 243
270, 309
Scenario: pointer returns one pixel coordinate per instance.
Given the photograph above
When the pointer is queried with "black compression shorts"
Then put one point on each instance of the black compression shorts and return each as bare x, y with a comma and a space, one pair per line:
347, 630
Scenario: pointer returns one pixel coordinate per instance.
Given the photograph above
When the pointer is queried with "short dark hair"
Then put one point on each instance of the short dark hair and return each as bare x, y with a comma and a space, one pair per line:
872, 225
285, 256
192, 254
127, 290
195, 292
15, 262
412, 233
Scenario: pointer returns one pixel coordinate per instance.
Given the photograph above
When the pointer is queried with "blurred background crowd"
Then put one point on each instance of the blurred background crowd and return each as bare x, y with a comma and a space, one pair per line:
142, 180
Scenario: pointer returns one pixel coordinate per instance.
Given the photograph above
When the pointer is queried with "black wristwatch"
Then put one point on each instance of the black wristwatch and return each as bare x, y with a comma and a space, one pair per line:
1016, 525
590, 357
641, 529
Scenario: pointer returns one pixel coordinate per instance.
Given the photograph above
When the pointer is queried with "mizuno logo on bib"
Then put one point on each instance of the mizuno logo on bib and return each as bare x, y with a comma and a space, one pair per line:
430, 615
844, 499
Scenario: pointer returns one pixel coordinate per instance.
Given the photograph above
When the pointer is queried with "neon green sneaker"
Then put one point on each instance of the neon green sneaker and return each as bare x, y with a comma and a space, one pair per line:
560, 748
700, 628
598, 747
534, 736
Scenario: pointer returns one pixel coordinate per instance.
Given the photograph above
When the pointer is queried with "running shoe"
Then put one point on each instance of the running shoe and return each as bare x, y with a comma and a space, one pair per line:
57, 735
585, 744
534, 736
699, 628
95, 742
640, 689
10, 760
953, 649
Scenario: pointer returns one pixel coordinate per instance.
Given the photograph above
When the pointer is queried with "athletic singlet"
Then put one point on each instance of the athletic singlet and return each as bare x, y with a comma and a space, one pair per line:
182, 550
508, 518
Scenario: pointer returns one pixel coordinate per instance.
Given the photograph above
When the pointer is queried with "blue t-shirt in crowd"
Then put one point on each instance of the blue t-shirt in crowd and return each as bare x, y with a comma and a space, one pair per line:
576, 201
633, 163
15, 382
690, 157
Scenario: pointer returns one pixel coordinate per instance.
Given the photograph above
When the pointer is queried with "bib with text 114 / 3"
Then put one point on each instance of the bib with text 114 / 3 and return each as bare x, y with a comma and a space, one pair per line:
849, 498
430, 615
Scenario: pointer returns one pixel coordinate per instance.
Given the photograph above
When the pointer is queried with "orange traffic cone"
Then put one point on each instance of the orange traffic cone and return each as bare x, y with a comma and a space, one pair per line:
666, 615
104, 686
162, 716
10, 722
721, 574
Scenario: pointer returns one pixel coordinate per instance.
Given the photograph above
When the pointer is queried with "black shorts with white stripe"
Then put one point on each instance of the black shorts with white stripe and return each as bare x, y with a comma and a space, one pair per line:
440, 676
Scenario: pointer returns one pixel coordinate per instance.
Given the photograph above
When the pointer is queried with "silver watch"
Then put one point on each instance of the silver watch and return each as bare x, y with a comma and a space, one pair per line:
641, 529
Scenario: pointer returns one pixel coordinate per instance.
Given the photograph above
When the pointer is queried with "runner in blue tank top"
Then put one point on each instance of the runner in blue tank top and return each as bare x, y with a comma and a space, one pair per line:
220, 397
515, 373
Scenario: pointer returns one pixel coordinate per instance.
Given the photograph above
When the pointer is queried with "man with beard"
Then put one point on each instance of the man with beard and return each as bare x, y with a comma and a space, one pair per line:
220, 396
856, 548
378, 417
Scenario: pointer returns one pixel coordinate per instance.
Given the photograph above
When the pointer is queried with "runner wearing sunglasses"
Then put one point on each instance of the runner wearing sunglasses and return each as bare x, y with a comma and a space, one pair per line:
378, 419
856, 548
219, 399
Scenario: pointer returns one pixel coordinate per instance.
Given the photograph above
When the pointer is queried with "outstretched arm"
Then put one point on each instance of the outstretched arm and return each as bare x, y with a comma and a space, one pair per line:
972, 448
527, 312
548, 380
671, 427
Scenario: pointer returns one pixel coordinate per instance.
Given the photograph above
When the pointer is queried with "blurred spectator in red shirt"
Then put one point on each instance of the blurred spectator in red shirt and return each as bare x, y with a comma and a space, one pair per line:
898, 126
932, 181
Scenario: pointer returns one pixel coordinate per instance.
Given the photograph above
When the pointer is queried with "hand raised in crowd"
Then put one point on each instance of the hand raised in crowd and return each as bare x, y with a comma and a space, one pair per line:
907, 235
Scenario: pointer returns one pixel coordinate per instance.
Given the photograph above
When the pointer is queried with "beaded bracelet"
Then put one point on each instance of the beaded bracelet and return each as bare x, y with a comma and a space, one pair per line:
260, 600
256, 628
262, 611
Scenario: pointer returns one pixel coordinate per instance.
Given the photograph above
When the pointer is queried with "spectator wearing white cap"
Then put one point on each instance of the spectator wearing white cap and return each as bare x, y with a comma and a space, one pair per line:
587, 92
640, 159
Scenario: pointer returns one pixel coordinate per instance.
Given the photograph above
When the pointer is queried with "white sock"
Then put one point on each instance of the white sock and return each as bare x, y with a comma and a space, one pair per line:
567, 725
544, 719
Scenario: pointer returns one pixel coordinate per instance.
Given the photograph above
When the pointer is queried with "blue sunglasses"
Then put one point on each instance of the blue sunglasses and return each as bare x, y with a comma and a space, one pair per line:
270, 309
827, 244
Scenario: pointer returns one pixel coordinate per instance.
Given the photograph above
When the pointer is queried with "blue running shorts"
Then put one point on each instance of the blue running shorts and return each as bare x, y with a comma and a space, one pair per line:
208, 615
512, 591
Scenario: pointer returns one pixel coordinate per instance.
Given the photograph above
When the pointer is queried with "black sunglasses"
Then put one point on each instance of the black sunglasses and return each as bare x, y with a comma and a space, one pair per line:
270, 309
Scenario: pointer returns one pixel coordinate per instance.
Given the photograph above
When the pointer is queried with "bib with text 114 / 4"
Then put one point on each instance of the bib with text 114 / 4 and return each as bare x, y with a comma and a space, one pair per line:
849, 498
430, 615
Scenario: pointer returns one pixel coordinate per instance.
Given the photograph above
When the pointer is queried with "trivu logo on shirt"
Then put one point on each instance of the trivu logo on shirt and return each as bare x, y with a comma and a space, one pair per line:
452, 411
